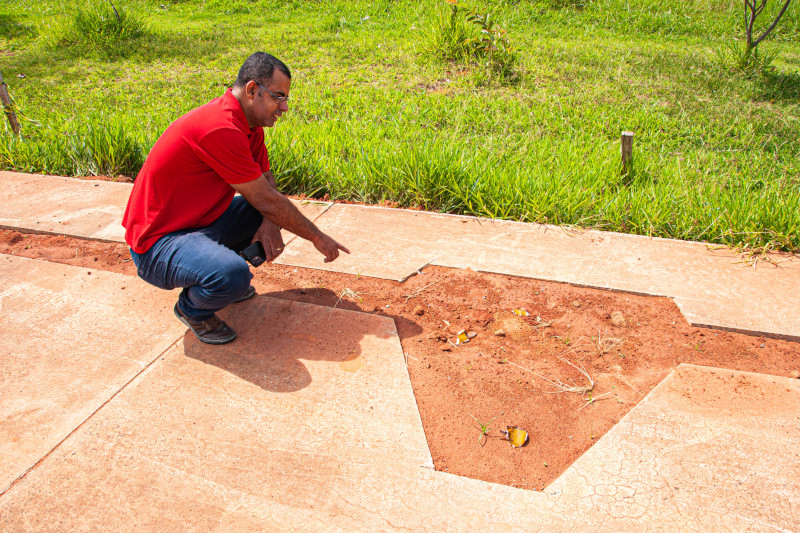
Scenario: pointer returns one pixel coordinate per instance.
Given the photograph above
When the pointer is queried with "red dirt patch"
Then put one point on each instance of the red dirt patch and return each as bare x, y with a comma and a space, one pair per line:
120, 178
499, 380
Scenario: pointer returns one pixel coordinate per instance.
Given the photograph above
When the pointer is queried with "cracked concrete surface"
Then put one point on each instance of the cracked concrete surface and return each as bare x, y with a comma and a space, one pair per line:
117, 419
319, 427
70, 341
707, 450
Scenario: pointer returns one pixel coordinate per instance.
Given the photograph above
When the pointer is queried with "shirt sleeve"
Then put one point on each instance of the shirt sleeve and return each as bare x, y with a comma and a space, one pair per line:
227, 152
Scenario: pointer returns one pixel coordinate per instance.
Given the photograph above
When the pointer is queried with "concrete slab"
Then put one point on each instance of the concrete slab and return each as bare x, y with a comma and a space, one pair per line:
91, 209
707, 450
72, 337
104, 485
63, 206
311, 209
336, 378
711, 286
383, 243
315, 426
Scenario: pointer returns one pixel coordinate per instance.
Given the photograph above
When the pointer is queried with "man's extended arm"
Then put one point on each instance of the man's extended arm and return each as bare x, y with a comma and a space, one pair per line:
276, 208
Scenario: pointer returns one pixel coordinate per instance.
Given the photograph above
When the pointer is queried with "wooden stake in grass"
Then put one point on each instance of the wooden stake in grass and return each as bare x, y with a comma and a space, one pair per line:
627, 152
7, 107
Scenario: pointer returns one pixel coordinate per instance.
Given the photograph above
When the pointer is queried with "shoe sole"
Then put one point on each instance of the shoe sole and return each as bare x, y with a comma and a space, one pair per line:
204, 341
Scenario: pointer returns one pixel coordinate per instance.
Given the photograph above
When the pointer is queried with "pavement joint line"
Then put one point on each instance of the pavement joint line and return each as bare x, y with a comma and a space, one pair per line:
93, 413
30, 231
742, 331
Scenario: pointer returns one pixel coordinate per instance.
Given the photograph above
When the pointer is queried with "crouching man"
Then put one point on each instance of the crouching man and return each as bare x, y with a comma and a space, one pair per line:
183, 223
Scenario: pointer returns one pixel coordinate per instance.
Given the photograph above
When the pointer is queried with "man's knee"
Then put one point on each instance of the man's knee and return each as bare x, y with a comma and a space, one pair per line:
232, 277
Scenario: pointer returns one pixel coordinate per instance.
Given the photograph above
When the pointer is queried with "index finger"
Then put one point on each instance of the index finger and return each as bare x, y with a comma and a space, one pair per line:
342, 248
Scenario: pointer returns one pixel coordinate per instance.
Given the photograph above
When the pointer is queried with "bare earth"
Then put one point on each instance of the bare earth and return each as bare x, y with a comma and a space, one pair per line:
527, 375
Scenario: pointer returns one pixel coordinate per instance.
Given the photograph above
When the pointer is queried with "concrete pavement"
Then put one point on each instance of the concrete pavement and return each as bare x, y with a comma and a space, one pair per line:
111, 418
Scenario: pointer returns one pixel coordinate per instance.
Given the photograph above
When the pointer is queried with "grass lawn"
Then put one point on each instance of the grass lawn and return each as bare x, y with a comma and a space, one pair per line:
377, 115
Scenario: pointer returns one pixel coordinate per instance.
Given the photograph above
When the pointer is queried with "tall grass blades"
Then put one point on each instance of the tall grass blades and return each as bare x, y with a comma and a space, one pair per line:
738, 57
101, 26
11, 29
98, 145
105, 147
450, 34
372, 119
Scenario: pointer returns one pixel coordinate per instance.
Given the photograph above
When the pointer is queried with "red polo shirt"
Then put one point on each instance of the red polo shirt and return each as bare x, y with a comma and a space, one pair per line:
185, 181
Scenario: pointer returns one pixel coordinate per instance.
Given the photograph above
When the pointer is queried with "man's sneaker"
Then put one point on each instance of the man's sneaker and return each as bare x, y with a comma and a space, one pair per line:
210, 331
251, 291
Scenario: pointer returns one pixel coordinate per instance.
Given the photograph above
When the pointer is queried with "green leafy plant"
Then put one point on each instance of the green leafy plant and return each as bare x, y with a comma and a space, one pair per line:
469, 34
484, 427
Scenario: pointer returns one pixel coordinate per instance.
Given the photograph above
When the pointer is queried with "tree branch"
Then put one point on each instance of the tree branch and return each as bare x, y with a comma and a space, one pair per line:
750, 18
774, 23
117, 14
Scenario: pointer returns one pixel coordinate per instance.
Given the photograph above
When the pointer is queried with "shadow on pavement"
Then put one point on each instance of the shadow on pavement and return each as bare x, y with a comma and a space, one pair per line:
276, 336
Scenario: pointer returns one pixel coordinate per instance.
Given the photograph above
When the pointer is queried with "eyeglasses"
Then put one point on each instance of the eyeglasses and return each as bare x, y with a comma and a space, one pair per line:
272, 94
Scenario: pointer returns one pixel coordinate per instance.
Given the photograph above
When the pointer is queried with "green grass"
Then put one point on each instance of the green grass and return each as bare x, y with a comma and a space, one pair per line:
376, 114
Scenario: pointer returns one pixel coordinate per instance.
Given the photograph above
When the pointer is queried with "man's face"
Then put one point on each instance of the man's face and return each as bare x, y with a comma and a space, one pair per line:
267, 108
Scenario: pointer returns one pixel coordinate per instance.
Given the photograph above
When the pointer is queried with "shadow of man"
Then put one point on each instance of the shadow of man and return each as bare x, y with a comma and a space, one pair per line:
276, 334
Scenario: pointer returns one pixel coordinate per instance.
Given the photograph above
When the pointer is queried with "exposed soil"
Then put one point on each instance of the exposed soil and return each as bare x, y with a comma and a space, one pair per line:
499, 378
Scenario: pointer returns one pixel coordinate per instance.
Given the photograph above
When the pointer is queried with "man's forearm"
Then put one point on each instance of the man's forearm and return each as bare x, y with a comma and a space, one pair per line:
282, 212
277, 208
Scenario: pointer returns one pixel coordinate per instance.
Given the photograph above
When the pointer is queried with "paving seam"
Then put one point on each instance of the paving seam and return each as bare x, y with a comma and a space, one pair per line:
79, 426
742, 331
30, 231
557, 492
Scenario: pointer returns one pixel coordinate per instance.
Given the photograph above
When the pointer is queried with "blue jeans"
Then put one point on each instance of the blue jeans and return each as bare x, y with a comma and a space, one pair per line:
204, 261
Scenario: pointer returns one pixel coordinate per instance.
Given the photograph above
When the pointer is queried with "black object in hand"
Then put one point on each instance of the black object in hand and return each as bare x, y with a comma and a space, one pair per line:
254, 254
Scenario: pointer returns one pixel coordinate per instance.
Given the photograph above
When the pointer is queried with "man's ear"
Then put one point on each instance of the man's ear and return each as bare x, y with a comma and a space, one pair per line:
251, 89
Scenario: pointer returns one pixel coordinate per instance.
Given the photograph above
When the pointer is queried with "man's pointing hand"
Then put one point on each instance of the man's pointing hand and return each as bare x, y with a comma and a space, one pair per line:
329, 247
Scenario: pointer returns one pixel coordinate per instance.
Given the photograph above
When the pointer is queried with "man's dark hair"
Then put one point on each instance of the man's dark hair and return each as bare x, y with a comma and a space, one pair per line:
259, 67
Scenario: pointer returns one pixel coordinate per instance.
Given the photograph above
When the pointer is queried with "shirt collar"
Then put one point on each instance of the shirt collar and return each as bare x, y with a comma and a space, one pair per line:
229, 101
